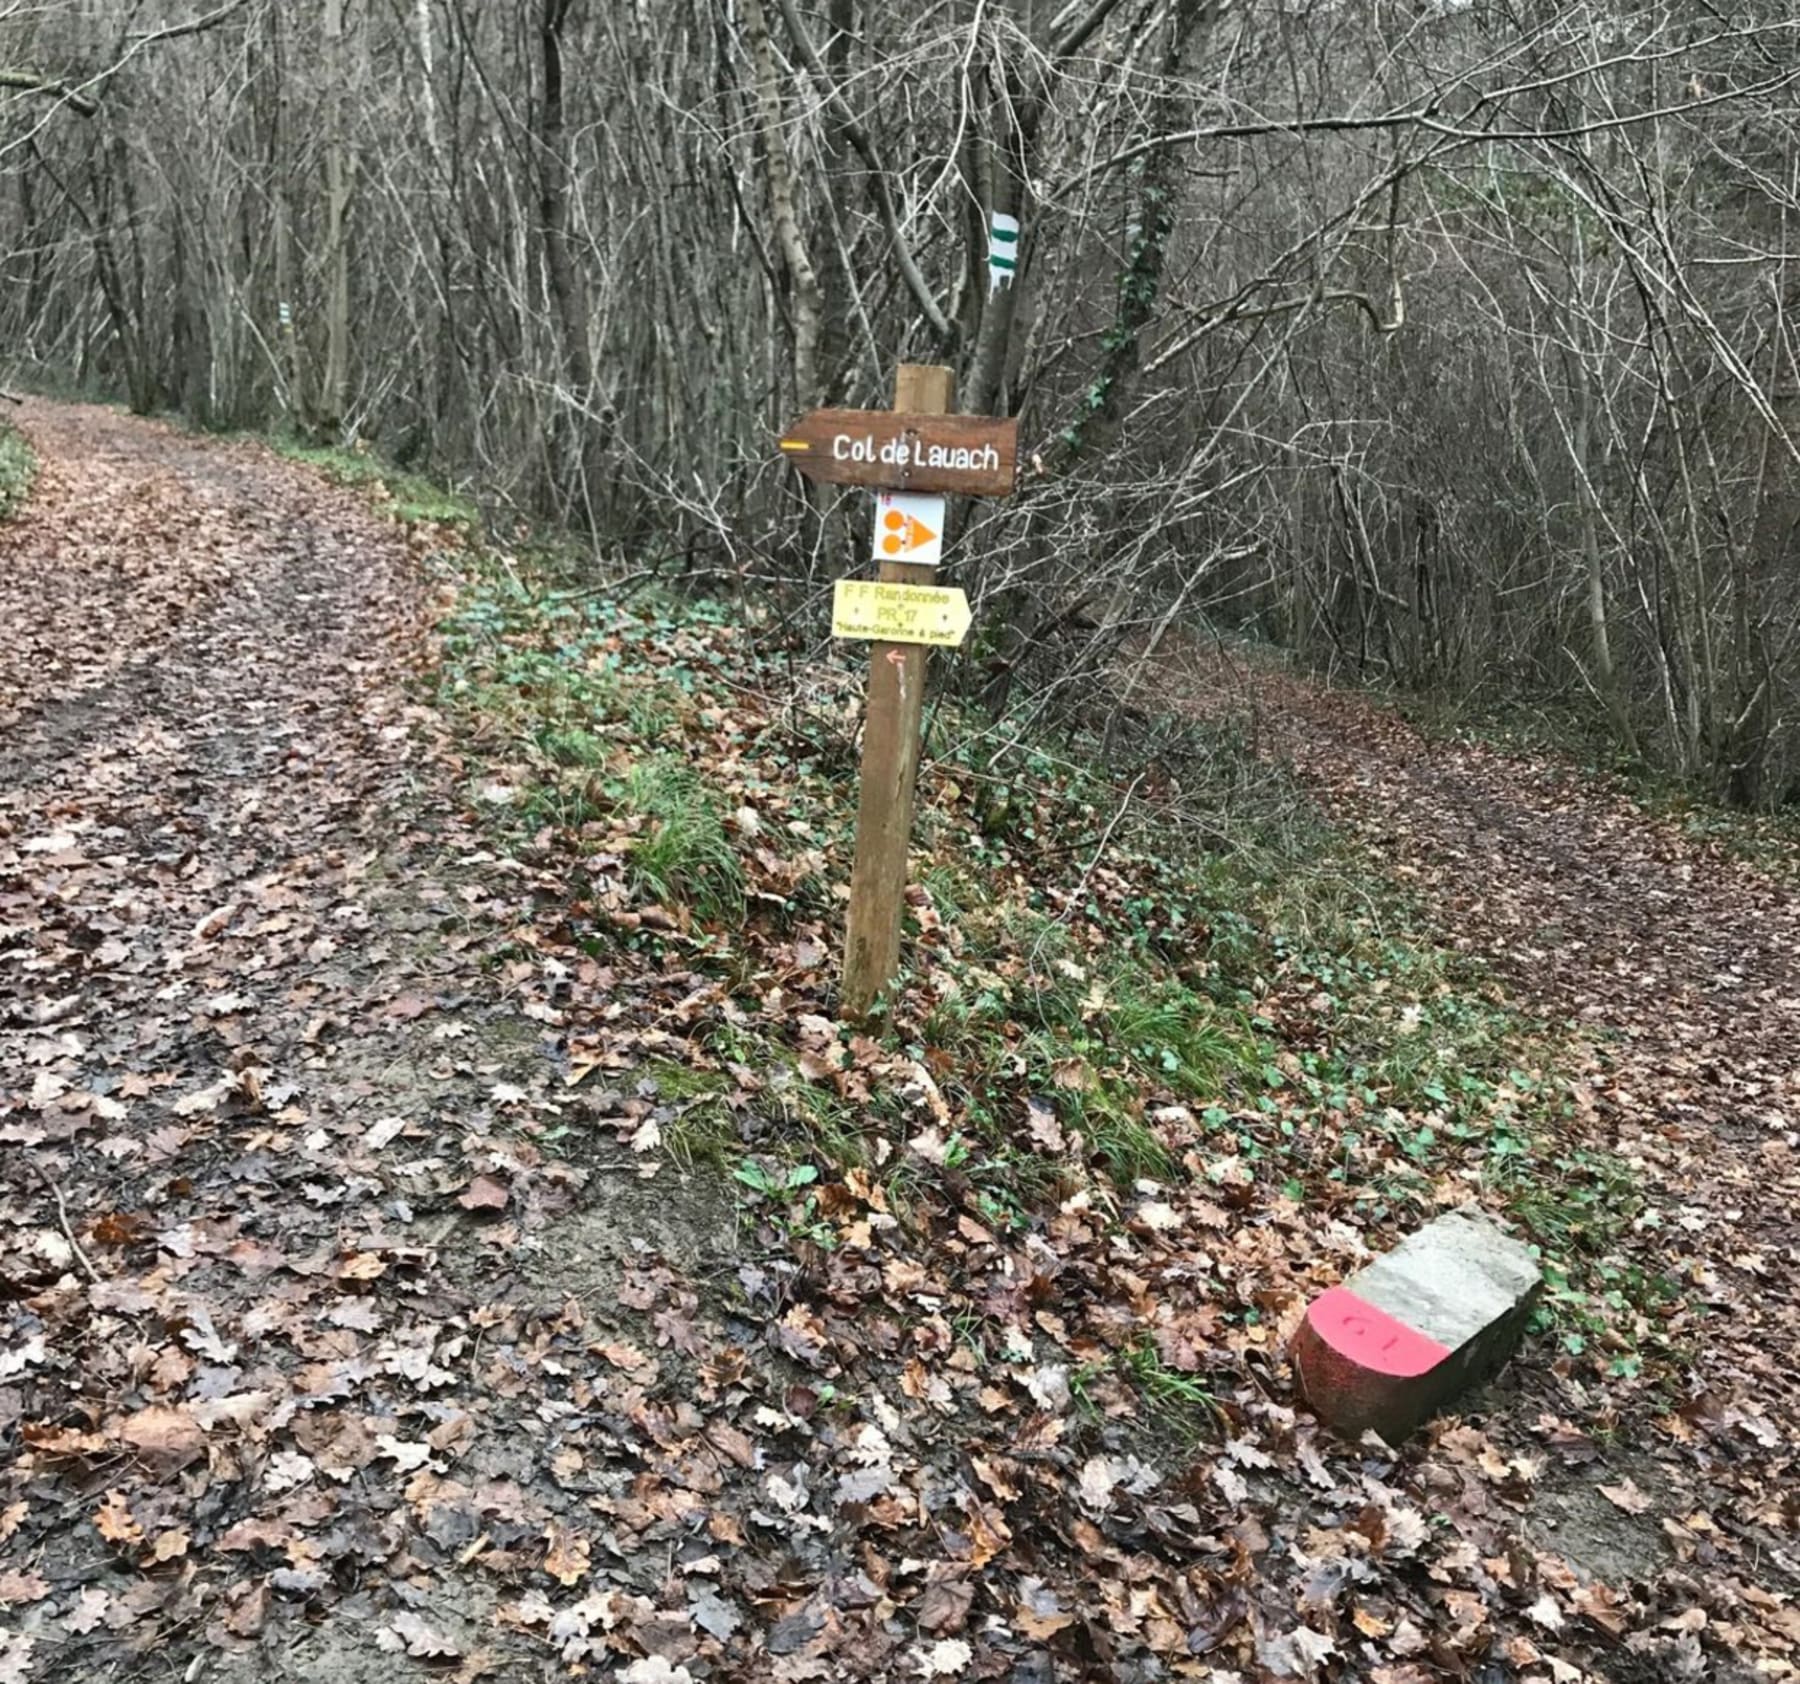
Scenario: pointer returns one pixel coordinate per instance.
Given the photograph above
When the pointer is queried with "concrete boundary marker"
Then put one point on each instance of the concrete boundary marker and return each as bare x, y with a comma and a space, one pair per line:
1413, 1331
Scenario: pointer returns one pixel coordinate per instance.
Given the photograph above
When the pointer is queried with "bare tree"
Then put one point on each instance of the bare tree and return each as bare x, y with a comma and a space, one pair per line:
1451, 345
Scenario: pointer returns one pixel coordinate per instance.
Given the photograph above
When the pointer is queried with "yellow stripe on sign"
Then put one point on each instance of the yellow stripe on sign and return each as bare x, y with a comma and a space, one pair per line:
929, 614
798, 446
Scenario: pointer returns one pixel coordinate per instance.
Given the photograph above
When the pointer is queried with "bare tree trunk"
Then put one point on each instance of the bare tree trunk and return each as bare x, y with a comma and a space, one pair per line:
334, 387
1606, 674
1009, 156
804, 304
839, 157
581, 429
281, 204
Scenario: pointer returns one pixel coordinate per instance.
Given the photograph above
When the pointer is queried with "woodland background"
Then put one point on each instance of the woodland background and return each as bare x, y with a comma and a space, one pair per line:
1446, 342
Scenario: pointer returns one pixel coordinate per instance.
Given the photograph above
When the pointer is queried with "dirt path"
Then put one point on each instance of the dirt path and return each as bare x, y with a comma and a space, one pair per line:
251, 1058
1687, 963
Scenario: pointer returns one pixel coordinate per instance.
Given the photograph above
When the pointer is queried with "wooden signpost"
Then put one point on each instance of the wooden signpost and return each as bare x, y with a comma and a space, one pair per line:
959, 455
918, 449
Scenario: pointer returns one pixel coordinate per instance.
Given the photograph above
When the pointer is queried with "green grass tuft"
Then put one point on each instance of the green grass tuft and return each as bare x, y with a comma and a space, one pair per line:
410, 497
18, 466
683, 854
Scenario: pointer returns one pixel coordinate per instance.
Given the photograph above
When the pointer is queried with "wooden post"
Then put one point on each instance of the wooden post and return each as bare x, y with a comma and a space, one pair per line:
890, 764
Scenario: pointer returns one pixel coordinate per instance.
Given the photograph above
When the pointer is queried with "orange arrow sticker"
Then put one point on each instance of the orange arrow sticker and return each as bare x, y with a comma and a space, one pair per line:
902, 533
909, 527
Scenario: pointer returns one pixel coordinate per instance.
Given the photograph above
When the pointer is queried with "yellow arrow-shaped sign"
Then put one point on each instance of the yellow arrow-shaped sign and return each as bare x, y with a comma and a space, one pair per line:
900, 613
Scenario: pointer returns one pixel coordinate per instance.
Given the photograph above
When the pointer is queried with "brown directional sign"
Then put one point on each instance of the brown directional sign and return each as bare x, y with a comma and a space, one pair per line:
955, 455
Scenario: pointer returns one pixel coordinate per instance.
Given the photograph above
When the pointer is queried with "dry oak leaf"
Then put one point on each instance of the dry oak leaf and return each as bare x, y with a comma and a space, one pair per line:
732, 1442
170, 1546
287, 1469
1521, 1651
407, 1456
1156, 1216
566, 1555
484, 1193
1045, 1129
120, 1228
115, 1522
1073, 1073
15, 1656
1625, 1495
423, 1643
655, 1669
1546, 1612
647, 1137
943, 1659
17, 1586
88, 1612
944, 1606
988, 1535
1038, 1614
206, 1099
1403, 1531
34, 1349
1469, 1612
165, 1433
1050, 1386
256, 1533
252, 1611
1606, 1608
1368, 1622
1295, 1654
1408, 1639
1098, 1478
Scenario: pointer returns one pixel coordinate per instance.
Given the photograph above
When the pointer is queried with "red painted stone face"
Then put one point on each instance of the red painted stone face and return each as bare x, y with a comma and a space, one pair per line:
1362, 1369
1372, 1339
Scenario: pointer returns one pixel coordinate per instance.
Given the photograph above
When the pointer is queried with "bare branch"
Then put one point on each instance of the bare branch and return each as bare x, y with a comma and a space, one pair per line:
858, 136
25, 82
1424, 117
194, 26
1081, 29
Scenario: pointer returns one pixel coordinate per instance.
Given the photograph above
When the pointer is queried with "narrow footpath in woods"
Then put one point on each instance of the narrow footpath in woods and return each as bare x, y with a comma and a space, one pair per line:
345, 1333
1681, 959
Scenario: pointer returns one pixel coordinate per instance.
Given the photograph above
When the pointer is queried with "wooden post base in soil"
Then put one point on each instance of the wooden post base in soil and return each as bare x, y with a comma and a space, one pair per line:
890, 764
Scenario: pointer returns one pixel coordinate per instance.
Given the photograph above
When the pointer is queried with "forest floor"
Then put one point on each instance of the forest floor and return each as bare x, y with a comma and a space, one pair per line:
442, 1229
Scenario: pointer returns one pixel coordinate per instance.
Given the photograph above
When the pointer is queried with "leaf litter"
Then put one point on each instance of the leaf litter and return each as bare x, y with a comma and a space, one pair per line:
311, 1054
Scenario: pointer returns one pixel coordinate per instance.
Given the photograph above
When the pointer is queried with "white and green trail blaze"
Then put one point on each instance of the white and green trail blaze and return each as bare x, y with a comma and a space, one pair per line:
1003, 249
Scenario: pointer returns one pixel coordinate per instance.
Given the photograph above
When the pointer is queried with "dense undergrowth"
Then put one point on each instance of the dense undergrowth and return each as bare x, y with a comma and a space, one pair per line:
1121, 979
